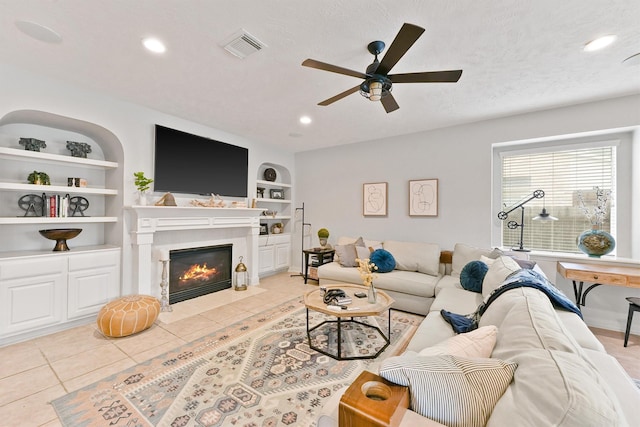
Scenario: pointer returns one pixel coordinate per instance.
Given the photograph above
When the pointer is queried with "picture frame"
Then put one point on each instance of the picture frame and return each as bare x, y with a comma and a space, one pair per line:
264, 229
276, 194
374, 199
423, 197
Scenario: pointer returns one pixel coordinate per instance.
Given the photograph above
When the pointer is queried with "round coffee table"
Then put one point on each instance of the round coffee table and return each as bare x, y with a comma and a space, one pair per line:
359, 307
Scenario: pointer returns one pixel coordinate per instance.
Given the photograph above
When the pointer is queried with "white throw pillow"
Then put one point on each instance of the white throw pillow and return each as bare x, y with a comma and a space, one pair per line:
346, 255
456, 391
477, 343
498, 271
464, 254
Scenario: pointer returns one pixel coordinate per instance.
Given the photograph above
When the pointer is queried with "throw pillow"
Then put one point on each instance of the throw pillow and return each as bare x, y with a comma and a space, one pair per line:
346, 255
456, 391
499, 270
383, 260
463, 254
478, 343
472, 275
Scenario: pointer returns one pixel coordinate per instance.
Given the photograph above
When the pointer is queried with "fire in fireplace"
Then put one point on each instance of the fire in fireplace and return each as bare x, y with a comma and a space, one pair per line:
199, 271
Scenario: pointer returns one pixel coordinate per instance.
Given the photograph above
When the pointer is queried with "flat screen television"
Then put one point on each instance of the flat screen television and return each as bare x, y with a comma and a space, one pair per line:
186, 163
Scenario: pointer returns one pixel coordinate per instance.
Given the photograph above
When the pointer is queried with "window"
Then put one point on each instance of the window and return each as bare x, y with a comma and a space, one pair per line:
562, 172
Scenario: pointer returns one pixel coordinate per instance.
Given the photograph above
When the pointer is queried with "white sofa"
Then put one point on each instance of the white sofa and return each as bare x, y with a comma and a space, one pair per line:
564, 377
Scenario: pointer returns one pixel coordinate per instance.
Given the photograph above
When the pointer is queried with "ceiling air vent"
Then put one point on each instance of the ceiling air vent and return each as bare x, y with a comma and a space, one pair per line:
243, 44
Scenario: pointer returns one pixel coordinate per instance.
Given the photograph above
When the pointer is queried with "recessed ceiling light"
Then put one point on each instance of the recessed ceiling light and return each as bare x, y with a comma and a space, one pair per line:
154, 45
39, 32
599, 43
305, 120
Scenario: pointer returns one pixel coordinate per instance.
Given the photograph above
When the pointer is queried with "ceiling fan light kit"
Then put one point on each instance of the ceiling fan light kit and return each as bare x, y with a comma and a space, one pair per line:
377, 82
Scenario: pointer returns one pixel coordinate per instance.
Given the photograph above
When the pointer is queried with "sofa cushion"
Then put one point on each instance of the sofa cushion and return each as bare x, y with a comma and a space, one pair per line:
501, 268
472, 275
449, 389
346, 255
463, 254
478, 343
415, 256
384, 260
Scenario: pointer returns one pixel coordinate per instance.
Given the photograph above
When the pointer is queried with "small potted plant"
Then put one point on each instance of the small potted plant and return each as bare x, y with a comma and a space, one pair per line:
323, 235
38, 178
142, 184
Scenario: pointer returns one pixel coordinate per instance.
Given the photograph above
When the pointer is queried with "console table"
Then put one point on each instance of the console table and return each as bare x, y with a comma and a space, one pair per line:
598, 275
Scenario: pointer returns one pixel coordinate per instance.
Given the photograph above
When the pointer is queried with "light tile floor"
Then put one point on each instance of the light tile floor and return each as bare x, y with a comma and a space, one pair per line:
34, 372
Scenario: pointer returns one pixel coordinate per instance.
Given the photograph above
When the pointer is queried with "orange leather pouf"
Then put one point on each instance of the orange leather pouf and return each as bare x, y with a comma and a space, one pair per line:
128, 315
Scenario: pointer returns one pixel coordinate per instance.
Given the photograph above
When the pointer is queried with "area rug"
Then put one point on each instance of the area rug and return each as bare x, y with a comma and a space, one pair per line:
257, 372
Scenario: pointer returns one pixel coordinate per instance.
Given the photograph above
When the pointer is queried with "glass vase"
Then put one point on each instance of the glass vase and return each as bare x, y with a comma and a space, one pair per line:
596, 242
372, 294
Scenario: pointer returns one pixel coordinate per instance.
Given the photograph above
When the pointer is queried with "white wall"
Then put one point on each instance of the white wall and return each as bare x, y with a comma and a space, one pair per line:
133, 125
329, 181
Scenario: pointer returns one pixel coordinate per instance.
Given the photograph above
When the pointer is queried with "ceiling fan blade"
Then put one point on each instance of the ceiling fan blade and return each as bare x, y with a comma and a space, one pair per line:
451, 76
389, 103
333, 68
406, 37
339, 96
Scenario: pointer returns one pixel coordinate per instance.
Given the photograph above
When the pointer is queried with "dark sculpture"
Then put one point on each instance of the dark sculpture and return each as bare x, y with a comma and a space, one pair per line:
78, 149
32, 144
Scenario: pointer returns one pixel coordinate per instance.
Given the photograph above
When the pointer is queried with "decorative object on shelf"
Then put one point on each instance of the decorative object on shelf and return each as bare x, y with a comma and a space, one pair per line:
276, 194
38, 178
260, 192
166, 200
76, 182
374, 199
60, 235
77, 205
512, 225
264, 229
270, 213
277, 228
596, 242
240, 277
164, 286
31, 204
78, 149
32, 144
238, 204
270, 174
323, 236
214, 201
367, 271
423, 197
142, 184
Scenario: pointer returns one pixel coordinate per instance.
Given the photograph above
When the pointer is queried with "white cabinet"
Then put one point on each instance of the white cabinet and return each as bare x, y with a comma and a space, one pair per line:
32, 293
42, 291
94, 280
274, 254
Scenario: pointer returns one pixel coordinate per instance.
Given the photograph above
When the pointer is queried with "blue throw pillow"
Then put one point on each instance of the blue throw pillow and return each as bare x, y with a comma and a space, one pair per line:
472, 275
383, 260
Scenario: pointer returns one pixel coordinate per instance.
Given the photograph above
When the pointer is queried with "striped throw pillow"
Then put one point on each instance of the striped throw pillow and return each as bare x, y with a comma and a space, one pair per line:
455, 391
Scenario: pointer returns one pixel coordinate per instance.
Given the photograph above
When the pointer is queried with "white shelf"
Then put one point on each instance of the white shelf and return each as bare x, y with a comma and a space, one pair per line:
33, 188
271, 218
36, 156
265, 200
65, 220
273, 184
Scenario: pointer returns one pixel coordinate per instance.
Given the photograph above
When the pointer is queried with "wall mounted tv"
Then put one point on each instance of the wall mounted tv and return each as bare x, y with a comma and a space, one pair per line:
186, 163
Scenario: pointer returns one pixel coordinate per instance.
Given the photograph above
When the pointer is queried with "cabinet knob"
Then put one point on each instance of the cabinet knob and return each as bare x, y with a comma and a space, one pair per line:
595, 276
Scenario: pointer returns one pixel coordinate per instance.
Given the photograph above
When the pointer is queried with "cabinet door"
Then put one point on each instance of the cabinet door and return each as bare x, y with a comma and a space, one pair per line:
282, 257
94, 280
32, 293
266, 259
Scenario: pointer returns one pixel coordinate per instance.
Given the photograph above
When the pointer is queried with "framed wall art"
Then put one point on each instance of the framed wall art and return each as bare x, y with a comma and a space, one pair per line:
276, 194
374, 199
423, 197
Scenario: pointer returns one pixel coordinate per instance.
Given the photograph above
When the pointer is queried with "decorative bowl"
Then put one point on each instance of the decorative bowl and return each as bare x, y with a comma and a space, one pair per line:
60, 235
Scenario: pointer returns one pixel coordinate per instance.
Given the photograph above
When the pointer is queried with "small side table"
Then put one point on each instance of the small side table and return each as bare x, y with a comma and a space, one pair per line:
320, 256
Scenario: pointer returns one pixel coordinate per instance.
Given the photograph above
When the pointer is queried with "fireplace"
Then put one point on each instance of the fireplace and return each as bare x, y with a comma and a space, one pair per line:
199, 271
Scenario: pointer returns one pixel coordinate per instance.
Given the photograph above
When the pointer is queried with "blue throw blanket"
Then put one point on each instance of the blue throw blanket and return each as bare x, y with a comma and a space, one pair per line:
521, 278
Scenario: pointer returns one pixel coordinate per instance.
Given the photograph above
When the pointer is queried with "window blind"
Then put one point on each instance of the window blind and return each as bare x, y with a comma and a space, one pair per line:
562, 174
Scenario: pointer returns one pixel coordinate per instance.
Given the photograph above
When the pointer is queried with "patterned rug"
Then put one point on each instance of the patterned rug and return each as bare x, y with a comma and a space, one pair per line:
257, 372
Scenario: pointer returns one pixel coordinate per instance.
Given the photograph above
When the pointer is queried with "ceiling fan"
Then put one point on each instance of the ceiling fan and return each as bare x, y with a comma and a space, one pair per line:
378, 82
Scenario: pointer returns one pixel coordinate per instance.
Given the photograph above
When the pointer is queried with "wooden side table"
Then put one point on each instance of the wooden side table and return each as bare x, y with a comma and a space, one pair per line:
320, 256
598, 275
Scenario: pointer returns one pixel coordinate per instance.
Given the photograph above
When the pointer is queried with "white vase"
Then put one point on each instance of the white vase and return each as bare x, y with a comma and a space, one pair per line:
142, 198
372, 294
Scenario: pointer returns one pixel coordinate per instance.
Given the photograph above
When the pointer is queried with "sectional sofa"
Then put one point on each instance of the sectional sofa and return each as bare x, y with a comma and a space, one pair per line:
526, 363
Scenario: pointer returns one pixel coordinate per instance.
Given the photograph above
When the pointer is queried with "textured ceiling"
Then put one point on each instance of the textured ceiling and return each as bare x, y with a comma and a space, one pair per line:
517, 56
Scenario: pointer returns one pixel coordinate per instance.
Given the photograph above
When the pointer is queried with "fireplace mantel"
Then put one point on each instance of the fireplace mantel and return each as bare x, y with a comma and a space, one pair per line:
145, 221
